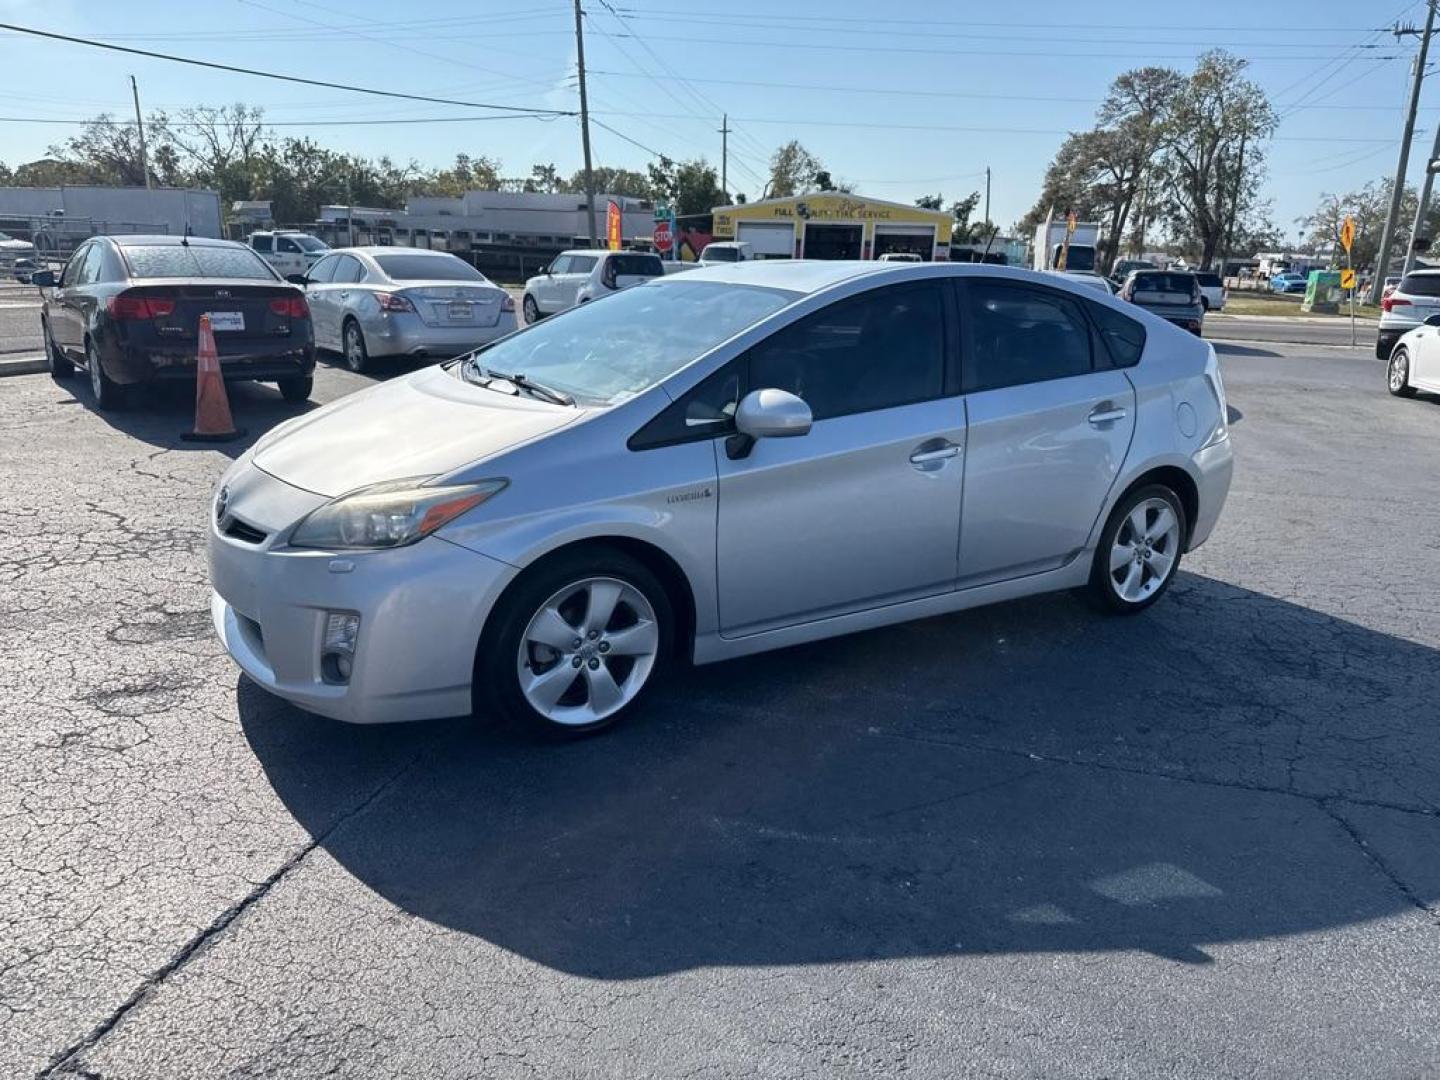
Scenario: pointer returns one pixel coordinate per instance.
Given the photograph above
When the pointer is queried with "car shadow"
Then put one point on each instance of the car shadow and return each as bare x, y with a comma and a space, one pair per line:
1026, 777
1228, 348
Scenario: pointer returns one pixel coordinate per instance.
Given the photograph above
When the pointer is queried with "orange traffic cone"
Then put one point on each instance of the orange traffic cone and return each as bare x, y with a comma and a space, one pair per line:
212, 405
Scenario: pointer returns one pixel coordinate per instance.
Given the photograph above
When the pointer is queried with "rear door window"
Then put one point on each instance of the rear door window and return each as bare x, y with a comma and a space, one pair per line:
263, 243
1421, 285
1022, 334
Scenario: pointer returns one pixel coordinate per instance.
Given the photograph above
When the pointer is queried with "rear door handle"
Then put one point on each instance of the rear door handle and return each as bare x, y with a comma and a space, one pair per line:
1106, 414
923, 457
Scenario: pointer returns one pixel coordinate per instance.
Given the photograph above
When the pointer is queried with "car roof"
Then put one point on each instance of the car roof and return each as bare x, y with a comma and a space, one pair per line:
168, 240
1417, 273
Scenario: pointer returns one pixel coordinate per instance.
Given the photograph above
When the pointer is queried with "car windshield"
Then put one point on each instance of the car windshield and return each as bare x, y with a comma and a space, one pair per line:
196, 260
309, 243
716, 253
428, 268
609, 350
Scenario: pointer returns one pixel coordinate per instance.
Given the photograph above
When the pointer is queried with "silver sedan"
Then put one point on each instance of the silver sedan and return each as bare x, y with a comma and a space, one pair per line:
709, 465
369, 302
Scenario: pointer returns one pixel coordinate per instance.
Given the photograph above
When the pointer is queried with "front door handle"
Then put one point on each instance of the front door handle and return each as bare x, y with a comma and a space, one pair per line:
1106, 414
924, 457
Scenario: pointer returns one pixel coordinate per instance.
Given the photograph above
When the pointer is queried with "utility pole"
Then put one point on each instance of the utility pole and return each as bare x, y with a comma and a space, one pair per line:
140, 126
725, 154
1423, 204
1382, 259
987, 194
585, 119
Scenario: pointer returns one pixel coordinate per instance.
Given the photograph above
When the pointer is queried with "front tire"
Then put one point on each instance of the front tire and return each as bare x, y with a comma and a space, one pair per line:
1139, 550
575, 644
357, 356
531, 309
59, 366
107, 393
297, 389
1397, 373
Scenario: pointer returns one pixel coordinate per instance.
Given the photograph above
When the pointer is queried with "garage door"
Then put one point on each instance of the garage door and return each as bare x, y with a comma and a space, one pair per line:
771, 240
917, 238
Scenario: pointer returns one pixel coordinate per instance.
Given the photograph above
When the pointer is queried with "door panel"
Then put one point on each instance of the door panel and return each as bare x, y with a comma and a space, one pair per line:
1038, 469
1425, 360
840, 519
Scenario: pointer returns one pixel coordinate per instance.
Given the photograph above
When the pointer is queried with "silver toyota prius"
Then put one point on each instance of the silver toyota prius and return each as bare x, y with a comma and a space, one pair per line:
709, 465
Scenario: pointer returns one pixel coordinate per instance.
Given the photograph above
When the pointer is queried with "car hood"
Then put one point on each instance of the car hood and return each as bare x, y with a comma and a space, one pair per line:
425, 424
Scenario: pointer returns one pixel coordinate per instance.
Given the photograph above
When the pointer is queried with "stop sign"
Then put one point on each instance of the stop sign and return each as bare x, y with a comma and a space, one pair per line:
663, 239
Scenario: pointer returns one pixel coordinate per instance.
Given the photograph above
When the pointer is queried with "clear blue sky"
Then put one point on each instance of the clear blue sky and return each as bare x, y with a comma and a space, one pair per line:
1037, 69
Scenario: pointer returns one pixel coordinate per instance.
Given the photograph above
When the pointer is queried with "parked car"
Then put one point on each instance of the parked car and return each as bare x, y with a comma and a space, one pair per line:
726, 251
127, 309
1174, 295
577, 277
289, 251
1122, 268
22, 269
1414, 362
1213, 293
1091, 280
1392, 282
1289, 282
708, 465
1405, 307
900, 256
372, 302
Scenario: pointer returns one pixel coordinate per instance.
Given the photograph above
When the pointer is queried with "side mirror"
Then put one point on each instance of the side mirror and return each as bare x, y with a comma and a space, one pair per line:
44, 279
297, 279
1432, 320
767, 414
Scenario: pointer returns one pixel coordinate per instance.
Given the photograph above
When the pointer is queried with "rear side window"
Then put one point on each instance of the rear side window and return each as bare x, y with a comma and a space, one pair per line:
263, 243
1421, 285
645, 265
196, 260
1020, 334
874, 351
1209, 281
1123, 337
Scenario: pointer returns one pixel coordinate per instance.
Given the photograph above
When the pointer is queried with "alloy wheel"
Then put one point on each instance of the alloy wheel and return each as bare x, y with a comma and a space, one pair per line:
1397, 372
1144, 552
355, 356
588, 651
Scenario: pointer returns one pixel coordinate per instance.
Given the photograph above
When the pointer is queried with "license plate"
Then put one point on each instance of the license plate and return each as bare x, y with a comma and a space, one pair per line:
226, 320
459, 309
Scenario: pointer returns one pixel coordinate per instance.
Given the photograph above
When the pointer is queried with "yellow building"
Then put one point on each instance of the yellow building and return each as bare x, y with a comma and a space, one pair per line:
834, 225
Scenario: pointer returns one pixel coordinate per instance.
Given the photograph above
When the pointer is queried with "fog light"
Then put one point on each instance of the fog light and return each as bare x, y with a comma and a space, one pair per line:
337, 653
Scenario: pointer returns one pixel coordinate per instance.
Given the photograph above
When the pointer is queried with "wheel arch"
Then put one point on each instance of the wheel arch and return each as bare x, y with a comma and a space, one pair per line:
1178, 481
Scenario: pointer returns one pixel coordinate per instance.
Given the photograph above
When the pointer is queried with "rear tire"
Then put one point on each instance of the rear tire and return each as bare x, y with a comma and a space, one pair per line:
59, 366
1139, 550
601, 663
107, 393
357, 356
1397, 373
297, 389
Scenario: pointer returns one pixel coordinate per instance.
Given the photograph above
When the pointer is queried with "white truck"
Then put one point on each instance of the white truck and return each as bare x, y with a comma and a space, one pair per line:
716, 253
1080, 257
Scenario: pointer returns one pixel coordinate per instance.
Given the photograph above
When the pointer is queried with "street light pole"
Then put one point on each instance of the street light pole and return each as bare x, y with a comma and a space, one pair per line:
1382, 259
140, 127
1422, 204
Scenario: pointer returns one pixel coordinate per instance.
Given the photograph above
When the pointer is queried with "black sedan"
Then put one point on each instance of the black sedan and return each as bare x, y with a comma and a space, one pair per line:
127, 309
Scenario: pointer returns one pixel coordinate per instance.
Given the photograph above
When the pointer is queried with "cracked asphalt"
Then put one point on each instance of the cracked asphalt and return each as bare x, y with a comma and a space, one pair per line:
1022, 841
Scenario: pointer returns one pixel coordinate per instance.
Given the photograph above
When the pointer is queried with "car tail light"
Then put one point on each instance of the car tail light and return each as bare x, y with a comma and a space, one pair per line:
1389, 303
291, 307
125, 306
508, 304
391, 302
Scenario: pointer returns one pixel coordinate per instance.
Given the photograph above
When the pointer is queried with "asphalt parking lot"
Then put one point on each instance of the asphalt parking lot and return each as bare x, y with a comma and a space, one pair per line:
1026, 840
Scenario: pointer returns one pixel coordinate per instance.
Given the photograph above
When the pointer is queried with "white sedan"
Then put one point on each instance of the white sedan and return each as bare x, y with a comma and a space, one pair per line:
1415, 360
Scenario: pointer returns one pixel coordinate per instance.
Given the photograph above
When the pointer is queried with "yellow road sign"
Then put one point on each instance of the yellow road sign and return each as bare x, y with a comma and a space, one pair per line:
1347, 279
1347, 234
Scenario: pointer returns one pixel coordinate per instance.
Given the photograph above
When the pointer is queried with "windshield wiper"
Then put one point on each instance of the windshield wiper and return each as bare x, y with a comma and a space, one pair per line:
521, 382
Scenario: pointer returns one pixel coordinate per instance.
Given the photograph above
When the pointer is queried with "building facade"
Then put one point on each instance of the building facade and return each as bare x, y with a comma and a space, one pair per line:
834, 225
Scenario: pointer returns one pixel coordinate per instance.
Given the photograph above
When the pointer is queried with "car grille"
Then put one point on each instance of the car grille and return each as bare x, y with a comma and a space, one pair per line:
238, 530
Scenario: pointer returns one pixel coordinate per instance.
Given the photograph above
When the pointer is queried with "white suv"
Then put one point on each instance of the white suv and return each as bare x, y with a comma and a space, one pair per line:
1416, 297
585, 274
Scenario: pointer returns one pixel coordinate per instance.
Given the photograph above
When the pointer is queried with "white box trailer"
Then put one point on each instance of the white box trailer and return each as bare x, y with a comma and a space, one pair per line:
1081, 256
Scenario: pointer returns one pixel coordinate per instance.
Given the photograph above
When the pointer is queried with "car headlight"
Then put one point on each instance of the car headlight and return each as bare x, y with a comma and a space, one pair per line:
389, 515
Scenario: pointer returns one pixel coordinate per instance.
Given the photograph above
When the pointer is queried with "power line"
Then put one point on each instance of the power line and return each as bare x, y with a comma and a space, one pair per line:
292, 123
51, 35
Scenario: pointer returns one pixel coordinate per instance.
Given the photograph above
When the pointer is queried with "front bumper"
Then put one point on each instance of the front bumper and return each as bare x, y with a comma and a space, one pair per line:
1387, 337
405, 334
421, 611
